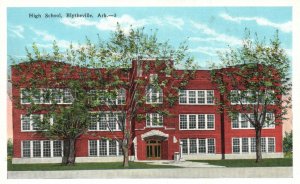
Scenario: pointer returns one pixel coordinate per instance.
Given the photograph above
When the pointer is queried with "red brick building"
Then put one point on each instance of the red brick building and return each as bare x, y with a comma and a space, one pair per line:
195, 131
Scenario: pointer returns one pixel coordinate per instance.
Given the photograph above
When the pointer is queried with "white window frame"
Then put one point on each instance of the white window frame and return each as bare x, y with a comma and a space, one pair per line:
249, 145
41, 148
187, 96
159, 95
108, 101
106, 113
61, 90
197, 121
271, 126
197, 146
238, 92
21, 95
150, 120
107, 149
31, 122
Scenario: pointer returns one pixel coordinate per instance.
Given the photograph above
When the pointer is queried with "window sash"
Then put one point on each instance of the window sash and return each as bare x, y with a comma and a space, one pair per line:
241, 121
105, 121
41, 148
154, 95
247, 145
198, 146
196, 122
104, 148
154, 120
196, 97
28, 123
46, 96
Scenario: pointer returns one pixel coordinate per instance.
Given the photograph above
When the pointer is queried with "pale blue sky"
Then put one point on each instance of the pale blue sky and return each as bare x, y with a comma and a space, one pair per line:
208, 29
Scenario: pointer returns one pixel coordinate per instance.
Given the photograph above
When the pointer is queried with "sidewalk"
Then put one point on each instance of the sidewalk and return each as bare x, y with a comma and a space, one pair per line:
204, 172
185, 164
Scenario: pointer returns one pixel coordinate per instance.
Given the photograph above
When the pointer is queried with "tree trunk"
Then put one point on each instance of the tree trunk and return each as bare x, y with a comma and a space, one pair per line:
258, 145
125, 154
66, 151
71, 158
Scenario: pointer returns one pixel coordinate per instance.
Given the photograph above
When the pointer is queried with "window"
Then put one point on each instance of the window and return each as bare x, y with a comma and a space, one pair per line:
112, 147
105, 121
198, 146
36, 96
46, 96
57, 148
121, 97
25, 96
236, 145
253, 144
154, 120
184, 146
94, 122
240, 121
193, 145
196, 121
201, 121
202, 146
192, 97
182, 96
271, 144
108, 97
112, 121
29, 123
26, 148
183, 121
67, 96
248, 145
210, 145
93, 148
199, 97
36, 148
154, 95
56, 96
102, 123
104, 148
245, 146
25, 121
251, 97
263, 144
192, 121
46, 149
210, 121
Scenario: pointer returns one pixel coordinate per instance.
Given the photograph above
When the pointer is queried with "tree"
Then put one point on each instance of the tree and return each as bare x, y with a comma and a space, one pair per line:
288, 142
103, 89
10, 147
253, 79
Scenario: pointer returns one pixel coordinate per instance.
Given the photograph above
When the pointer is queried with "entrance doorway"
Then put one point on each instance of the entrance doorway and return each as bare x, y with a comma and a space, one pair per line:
153, 150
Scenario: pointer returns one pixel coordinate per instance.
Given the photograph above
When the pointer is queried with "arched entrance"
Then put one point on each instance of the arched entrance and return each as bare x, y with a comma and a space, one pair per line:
153, 149
156, 145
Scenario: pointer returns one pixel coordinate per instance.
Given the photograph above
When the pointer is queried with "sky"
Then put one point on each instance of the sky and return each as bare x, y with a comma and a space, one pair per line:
207, 29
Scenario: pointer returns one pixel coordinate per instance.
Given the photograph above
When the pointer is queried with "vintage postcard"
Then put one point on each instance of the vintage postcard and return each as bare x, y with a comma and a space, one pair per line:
149, 92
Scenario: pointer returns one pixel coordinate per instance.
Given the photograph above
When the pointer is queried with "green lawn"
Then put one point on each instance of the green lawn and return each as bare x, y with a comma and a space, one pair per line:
271, 162
81, 166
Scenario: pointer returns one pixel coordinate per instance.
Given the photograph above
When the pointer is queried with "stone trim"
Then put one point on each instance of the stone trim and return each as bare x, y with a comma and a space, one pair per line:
154, 133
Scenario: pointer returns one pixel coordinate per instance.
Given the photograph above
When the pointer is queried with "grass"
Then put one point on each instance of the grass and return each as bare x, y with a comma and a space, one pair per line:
271, 162
81, 166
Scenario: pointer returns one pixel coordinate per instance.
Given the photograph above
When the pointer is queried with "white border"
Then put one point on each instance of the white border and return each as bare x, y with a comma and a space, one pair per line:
154, 3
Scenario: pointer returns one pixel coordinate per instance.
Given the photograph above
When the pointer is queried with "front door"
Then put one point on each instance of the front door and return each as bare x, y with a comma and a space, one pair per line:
153, 150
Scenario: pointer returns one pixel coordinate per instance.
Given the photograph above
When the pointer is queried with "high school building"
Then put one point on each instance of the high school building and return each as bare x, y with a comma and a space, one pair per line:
196, 129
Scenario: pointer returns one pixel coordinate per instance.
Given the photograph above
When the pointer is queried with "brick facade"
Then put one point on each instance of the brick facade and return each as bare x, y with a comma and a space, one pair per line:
167, 137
